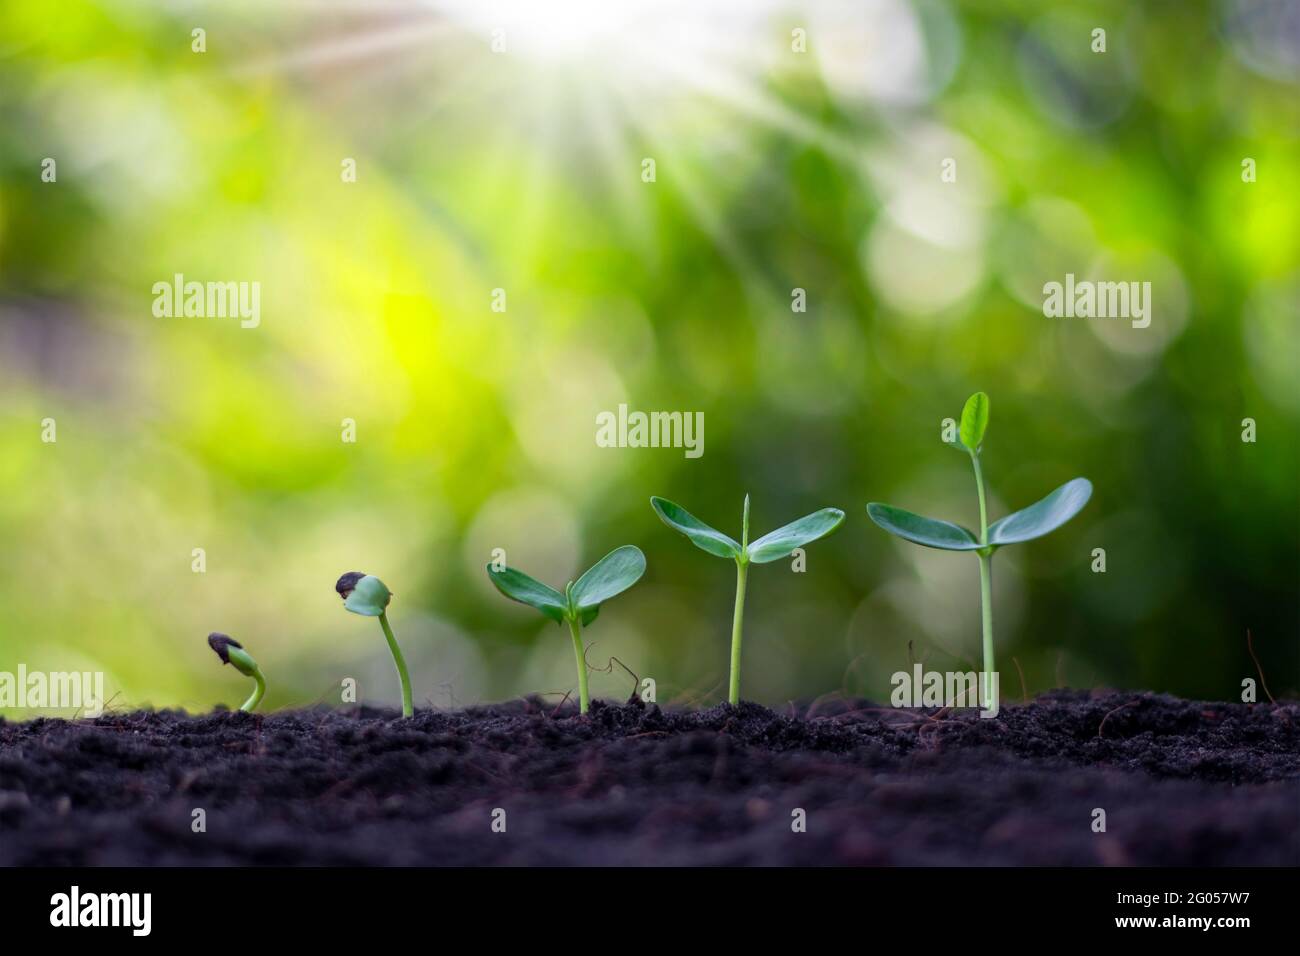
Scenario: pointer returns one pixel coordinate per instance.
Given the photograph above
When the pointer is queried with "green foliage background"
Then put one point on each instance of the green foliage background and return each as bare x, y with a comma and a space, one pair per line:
775, 170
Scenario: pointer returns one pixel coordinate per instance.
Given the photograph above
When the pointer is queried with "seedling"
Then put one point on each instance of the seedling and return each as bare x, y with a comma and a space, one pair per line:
770, 547
580, 603
365, 594
1025, 525
232, 652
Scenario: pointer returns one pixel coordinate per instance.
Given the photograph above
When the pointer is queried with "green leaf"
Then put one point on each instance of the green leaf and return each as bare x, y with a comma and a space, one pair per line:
588, 614
700, 534
1043, 517
779, 543
613, 574
520, 587
930, 532
974, 420
369, 597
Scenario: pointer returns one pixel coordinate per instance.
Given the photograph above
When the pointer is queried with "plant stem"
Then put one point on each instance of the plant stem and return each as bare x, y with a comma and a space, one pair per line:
986, 585
403, 676
986, 606
256, 697
584, 700
737, 621
979, 485
738, 617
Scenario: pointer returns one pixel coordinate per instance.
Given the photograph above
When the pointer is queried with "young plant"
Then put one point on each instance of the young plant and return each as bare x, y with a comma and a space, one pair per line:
580, 603
1033, 522
232, 652
771, 547
365, 594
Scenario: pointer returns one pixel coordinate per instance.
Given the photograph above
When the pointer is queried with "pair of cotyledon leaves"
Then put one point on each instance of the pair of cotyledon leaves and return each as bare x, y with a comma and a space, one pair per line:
771, 547
1038, 519
1033, 522
611, 575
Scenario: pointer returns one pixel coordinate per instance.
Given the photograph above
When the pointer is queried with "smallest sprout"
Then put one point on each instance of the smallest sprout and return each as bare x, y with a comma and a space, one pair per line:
232, 652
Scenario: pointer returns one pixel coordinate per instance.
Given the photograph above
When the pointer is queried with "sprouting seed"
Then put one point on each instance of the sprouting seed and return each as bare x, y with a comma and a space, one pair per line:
1027, 524
232, 652
771, 547
365, 594
580, 603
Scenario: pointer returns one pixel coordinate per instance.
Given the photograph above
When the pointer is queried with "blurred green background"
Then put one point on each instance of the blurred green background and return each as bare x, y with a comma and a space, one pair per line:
522, 170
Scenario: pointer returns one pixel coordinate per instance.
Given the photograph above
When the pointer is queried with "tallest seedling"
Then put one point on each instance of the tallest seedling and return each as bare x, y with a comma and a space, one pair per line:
1026, 525
771, 547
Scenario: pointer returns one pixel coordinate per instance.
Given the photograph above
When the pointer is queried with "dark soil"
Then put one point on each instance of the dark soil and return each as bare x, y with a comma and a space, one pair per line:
1181, 782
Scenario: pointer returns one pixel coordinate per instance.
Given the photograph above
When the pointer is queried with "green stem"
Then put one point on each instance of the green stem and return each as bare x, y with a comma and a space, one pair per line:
986, 586
737, 620
407, 709
256, 697
738, 617
979, 485
584, 700
986, 604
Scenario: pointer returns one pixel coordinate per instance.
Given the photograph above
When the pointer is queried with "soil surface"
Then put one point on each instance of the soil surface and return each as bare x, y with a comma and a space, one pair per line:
1181, 783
